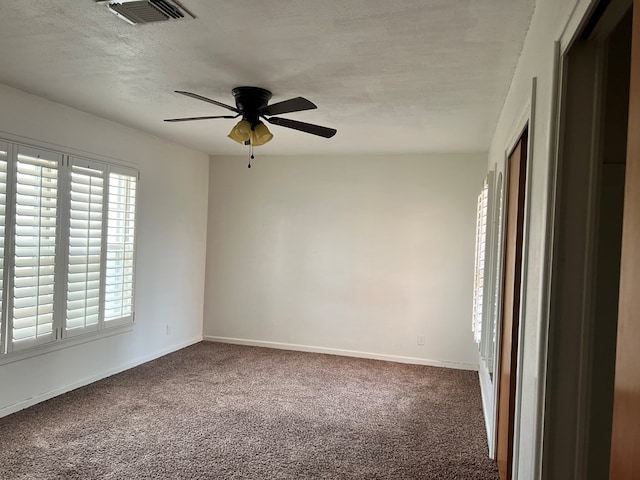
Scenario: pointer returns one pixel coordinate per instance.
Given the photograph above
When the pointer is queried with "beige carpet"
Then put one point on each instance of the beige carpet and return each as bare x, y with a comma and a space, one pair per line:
214, 411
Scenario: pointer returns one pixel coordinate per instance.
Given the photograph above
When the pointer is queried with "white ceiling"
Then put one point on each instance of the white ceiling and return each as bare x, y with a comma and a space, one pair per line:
393, 76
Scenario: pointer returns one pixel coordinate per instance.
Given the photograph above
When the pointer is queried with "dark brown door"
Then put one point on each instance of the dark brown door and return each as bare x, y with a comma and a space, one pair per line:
516, 182
625, 439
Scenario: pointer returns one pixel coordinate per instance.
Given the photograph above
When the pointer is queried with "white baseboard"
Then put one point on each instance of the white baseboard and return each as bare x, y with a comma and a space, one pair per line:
345, 353
41, 397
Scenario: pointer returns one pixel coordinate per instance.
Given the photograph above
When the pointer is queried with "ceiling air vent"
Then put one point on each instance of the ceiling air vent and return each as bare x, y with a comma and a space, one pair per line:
146, 11
169, 10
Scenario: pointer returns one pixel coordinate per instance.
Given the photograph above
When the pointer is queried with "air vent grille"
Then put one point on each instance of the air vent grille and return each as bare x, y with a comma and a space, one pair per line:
166, 8
145, 11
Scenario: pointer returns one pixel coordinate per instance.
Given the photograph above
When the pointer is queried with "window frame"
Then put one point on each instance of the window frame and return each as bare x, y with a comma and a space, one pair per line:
60, 337
7, 147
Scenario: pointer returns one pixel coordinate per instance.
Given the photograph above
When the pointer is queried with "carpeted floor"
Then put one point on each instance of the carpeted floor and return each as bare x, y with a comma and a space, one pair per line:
215, 411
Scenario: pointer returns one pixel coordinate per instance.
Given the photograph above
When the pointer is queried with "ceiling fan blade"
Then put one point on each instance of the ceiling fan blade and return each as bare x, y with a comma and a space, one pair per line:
297, 104
188, 119
208, 100
303, 127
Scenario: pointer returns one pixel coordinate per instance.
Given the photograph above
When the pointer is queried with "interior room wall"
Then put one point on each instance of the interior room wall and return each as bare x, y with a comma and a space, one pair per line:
171, 246
357, 255
549, 21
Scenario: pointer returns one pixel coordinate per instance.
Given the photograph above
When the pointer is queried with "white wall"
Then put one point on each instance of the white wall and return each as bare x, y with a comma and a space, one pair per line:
171, 246
352, 255
537, 60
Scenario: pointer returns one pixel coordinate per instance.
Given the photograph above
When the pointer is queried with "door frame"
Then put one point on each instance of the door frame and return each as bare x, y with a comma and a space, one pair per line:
566, 36
581, 15
572, 262
526, 122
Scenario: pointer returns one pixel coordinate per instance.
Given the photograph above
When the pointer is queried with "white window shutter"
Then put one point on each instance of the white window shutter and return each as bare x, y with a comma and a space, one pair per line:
35, 229
67, 246
119, 271
84, 248
4, 149
481, 246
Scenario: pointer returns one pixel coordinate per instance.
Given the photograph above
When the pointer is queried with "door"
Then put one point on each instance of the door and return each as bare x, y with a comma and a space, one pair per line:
516, 182
625, 438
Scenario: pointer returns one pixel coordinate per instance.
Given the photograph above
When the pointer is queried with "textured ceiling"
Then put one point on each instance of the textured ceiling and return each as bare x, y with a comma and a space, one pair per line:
401, 76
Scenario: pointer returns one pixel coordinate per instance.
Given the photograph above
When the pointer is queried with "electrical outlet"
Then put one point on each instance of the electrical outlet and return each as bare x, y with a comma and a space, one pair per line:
420, 339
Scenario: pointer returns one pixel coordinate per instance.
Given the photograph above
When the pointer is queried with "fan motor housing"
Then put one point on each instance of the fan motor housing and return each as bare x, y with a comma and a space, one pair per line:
250, 100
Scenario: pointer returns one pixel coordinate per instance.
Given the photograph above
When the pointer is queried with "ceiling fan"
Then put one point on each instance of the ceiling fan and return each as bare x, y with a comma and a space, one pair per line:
252, 106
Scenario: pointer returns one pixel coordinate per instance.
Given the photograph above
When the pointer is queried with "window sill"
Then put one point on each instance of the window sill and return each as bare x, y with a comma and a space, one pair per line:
20, 355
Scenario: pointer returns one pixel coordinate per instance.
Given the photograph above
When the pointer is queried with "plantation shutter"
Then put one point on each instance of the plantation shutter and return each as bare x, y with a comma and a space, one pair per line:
119, 271
481, 245
84, 257
36, 201
3, 212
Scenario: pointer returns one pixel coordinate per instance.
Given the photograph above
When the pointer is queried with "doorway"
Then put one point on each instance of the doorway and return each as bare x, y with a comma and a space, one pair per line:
510, 305
586, 267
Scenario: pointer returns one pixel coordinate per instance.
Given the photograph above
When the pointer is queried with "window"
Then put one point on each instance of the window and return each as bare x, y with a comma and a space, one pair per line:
34, 254
480, 280
67, 238
84, 256
120, 247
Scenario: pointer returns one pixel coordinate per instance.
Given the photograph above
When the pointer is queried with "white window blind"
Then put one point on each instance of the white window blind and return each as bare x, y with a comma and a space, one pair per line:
481, 244
67, 247
120, 247
3, 213
84, 247
36, 200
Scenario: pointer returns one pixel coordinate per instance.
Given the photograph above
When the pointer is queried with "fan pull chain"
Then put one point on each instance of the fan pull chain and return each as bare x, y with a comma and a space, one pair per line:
251, 157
